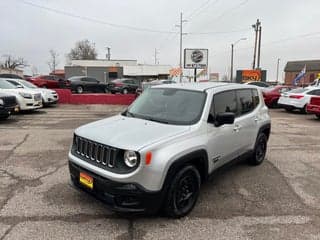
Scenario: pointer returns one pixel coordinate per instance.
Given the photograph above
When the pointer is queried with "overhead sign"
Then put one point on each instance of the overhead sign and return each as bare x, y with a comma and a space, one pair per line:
251, 75
195, 58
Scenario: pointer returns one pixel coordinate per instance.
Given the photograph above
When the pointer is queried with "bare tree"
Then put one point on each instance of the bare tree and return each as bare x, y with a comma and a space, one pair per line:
12, 63
53, 62
34, 71
84, 50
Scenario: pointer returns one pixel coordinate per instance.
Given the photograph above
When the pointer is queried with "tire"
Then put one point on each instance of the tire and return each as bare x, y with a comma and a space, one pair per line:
274, 104
318, 116
304, 109
79, 89
259, 151
183, 192
125, 91
288, 109
4, 116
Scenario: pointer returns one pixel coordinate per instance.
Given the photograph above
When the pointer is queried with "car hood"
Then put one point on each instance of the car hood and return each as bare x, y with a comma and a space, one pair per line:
128, 133
45, 91
17, 90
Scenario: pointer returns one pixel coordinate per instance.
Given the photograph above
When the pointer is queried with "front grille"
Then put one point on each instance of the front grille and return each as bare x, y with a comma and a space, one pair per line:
37, 97
9, 100
94, 152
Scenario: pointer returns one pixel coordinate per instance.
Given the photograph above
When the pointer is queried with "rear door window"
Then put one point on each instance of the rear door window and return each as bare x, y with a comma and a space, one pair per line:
245, 101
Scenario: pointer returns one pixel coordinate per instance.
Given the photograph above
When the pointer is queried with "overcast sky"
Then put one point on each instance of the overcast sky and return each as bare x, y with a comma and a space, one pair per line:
290, 30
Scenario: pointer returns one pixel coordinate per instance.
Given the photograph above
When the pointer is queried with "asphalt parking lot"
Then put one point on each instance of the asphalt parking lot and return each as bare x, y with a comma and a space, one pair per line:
278, 200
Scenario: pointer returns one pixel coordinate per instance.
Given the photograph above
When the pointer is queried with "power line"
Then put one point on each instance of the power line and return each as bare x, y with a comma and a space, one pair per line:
222, 32
89, 19
198, 10
301, 36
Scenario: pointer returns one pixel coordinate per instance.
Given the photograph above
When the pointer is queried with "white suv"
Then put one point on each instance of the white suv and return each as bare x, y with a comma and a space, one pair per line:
156, 153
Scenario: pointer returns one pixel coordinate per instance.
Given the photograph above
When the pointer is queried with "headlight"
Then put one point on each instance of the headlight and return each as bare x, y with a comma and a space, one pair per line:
25, 95
1, 102
130, 158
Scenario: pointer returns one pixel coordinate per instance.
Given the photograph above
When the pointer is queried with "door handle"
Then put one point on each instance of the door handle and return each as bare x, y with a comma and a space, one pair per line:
236, 128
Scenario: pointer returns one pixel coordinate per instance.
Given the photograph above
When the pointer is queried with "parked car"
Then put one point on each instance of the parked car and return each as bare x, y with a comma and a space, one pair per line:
298, 98
48, 96
8, 103
48, 81
9, 75
27, 99
157, 153
81, 84
258, 84
314, 106
146, 85
123, 86
271, 95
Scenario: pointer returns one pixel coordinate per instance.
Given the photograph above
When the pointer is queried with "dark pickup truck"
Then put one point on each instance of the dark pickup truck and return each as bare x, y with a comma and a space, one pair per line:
7, 105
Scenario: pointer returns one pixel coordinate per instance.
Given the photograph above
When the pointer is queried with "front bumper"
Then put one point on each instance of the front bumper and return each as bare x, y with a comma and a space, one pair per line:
120, 197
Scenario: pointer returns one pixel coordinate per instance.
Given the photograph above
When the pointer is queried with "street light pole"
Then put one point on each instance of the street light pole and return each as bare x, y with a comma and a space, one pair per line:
231, 73
278, 63
232, 50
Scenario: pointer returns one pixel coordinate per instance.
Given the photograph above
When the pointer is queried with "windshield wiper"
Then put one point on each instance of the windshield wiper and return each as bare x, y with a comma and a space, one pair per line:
129, 114
156, 120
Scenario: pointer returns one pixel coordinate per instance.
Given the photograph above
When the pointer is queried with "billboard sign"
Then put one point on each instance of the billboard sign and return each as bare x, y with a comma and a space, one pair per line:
251, 75
195, 58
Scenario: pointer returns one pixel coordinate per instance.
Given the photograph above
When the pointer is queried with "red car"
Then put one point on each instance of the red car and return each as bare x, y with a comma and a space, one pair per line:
314, 106
271, 95
48, 81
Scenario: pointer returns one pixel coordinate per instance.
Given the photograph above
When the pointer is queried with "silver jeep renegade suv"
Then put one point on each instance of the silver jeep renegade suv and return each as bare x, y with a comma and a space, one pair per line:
156, 154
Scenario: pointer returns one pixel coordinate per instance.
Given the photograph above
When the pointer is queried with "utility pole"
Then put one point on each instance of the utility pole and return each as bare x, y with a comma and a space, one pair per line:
181, 34
259, 48
231, 73
278, 63
156, 60
256, 29
108, 53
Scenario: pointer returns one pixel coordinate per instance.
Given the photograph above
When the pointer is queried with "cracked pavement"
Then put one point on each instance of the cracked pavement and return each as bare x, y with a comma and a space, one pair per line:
278, 200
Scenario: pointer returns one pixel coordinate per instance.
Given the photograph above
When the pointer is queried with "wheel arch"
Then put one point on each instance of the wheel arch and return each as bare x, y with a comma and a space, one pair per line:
198, 158
266, 129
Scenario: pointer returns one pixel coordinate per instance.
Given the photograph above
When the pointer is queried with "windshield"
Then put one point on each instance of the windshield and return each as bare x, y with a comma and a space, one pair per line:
6, 85
168, 105
27, 84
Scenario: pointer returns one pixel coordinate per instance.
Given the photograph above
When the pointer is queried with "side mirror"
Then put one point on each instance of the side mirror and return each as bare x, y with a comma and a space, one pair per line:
222, 118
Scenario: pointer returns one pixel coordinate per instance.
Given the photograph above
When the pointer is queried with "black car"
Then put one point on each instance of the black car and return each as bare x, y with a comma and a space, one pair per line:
80, 84
123, 86
9, 75
7, 105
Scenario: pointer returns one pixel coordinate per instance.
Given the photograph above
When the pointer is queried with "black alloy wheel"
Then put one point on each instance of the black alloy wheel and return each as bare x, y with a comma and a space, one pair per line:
79, 89
183, 192
260, 150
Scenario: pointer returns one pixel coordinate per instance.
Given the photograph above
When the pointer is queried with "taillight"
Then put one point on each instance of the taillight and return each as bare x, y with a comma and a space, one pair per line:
296, 96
